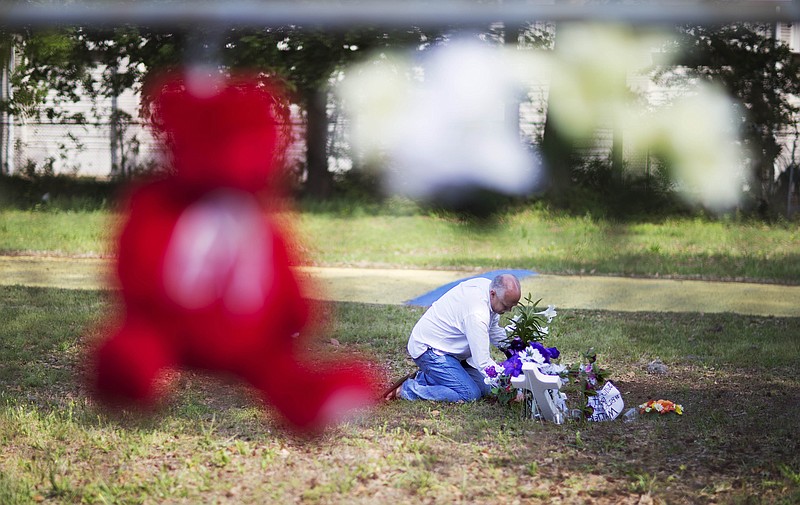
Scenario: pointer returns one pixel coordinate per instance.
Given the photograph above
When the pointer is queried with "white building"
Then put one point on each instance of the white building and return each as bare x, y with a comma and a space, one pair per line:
88, 147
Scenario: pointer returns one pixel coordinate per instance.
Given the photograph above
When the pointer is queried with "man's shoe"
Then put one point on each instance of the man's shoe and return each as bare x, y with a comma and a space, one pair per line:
393, 392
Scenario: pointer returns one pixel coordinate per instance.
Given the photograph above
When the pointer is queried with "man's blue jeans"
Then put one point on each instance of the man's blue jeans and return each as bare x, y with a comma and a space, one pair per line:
444, 378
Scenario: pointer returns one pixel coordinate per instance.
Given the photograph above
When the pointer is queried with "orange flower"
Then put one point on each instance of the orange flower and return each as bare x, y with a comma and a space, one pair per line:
660, 406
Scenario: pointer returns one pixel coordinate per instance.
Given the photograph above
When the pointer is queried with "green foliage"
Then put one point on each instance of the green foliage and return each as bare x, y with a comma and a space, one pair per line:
504, 392
53, 61
597, 190
42, 191
398, 232
527, 323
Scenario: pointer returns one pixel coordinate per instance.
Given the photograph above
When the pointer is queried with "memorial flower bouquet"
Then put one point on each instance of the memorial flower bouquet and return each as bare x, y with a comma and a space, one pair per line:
588, 378
660, 407
525, 333
499, 376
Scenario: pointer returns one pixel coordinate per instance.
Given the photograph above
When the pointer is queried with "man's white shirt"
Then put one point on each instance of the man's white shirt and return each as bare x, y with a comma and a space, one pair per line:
461, 323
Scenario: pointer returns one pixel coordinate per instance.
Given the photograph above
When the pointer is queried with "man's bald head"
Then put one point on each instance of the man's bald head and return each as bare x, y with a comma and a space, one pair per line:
505, 292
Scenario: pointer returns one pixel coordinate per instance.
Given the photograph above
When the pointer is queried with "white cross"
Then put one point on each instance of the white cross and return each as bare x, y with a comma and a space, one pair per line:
543, 387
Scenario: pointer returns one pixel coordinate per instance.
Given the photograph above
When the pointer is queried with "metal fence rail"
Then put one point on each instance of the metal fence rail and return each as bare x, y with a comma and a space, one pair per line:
339, 15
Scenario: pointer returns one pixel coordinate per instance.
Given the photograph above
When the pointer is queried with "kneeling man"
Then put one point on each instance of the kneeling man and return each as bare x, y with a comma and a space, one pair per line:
450, 343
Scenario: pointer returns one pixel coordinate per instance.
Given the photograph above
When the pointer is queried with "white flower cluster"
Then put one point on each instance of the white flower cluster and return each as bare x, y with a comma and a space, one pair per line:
435, 119
445, 132
494, 382
553, 369
531, 355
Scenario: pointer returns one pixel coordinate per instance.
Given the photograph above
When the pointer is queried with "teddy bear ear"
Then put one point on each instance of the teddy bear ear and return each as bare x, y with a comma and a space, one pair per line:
228, 133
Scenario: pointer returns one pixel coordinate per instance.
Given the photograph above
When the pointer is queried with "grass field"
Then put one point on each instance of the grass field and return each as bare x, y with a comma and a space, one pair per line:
534, 239
213, 442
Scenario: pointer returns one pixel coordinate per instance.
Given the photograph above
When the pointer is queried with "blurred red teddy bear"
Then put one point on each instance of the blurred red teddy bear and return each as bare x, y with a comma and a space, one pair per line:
205, 272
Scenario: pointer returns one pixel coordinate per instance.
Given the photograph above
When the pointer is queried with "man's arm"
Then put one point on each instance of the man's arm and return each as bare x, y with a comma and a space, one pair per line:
477, 332
497, 336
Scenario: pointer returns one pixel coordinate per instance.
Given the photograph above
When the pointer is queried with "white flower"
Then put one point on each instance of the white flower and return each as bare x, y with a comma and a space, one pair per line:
592, 67
446, 131
696, 135
376, 93
532, 355
552, 369
549, 314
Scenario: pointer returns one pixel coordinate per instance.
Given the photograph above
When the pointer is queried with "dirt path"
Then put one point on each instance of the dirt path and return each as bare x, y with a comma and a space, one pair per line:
396, 286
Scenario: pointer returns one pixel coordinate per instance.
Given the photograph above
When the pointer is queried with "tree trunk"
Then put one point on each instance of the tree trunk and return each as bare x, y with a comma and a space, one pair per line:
770, 150
319, 181
512, 107
557, 155
557, 152
617, 159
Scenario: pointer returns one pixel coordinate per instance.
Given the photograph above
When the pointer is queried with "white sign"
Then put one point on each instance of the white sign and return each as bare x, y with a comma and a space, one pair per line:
607, 404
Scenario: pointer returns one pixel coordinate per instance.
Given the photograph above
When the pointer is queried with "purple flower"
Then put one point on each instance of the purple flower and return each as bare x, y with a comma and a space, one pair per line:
512, 366
517, 344
491, 371
554, 352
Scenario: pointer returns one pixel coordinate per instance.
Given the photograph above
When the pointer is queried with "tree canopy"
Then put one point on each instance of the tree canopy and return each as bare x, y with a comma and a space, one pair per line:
759, 72
303, 60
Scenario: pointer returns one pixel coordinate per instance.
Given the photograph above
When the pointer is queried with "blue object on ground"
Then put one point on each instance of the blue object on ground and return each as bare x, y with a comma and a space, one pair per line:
428, 298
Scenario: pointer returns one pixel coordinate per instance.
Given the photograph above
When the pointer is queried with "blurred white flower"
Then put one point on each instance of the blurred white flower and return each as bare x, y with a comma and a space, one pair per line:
436, 125
447, 132
590, 74
553, 369
377, 92
696, 136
